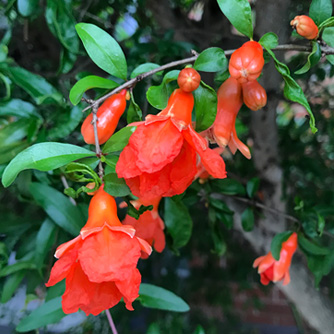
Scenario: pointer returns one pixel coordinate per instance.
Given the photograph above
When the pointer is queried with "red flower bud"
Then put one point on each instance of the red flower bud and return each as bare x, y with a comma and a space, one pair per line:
305, 26
254, 95
189, 80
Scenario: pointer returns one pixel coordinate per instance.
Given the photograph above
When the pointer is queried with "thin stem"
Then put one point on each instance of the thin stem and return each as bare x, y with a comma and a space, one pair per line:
111, 323
96, 138
65, 184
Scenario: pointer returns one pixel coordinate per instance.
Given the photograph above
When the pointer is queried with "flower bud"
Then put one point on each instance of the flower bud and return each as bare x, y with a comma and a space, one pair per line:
188, 80
254, 95
305, 26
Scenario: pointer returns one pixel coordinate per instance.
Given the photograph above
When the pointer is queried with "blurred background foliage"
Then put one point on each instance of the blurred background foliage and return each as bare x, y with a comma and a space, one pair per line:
41, 57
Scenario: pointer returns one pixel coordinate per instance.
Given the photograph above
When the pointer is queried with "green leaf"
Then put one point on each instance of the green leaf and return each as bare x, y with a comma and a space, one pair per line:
44, 241
229, 187
292, 91
27, 7
103, 49
58, 207
328, 37
199, 330
43, 157
18, 108
36, 86
118, 140
89, 82
158, 298
178, 222
312, 59
18, 266
65, 123
10, 286
321, 224
134, 113
247, 220
211, 60
111, 161
157, 96
67, 61
48, 313
326, 24
320, 10
55, 291
8, 152
276, 243
115, 186
61, 23
269, 40
7, 83
311, 247
14, 132
205, 106
252, 186
239, 13
320, 266
143, 68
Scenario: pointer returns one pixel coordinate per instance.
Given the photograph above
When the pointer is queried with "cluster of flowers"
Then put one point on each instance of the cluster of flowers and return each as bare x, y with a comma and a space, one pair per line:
162, 158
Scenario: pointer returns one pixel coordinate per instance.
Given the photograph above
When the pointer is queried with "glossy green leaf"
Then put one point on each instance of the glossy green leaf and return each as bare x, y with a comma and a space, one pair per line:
211, 60
328, 37
3, 52
58, 207
312, 59
134, 113
7, 86
158, 298
118, 140
321, 224
27, 7
205, 106
10, 286
55, 291
292, 91
43, 157
143, 68
103, 49
18, 266
157, 96
269, 40
252, 186
239, 13
111, 161
44, 241
320, 10
67, 60
115, 186
8, 152
48, 313
178, 222
18, 108
312, 248
276, 243
326, 24
247, 220
14, 132
61, 23
36, 86
199, 330
89, 82
229, 187
320, 265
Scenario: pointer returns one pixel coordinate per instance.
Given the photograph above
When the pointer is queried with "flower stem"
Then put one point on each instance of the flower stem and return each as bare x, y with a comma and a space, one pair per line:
111, 322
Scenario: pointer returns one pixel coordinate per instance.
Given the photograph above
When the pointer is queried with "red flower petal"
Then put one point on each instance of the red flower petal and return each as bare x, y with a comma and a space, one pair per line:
126, 166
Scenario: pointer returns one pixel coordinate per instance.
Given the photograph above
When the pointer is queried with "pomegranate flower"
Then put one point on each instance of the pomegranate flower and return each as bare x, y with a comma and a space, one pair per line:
272, 270
160, 158
149, 226
100, 264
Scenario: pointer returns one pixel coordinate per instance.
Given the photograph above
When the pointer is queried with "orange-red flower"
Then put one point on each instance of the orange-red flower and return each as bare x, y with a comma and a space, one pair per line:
149, 226
272, 270
100, 264
160, 158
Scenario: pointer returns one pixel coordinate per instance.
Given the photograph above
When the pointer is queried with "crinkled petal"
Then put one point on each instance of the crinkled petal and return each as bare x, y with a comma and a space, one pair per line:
145, 246
108, 255
126, 166
153, 185
156, 145
67, 246
129, 288
237, 143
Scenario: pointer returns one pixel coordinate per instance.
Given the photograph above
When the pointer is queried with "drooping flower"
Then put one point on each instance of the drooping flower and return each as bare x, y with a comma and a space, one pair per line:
100, 264
160, 158
272, 270
149, 226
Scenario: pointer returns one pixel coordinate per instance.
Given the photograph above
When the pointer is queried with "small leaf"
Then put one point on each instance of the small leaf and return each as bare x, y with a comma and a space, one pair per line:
321, 224
115, 186
67, 61
157, 96
247, 220
143, 68
320, 10
205, 106
229, 187
89, 82
27, 7
58, 207
10, 286
134, 113
43, 157
18, 266
312, 59
211, 60
311, 247
48, 313
118, 140
276, 243
199, 330
158, 298
252, 186
326, 24
103, 49
178, 222
328, 37
18, 108
239, 13
269, 40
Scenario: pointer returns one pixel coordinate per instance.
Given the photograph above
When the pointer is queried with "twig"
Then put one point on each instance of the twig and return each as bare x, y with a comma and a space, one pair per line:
131, 83
111, 322
65, 184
